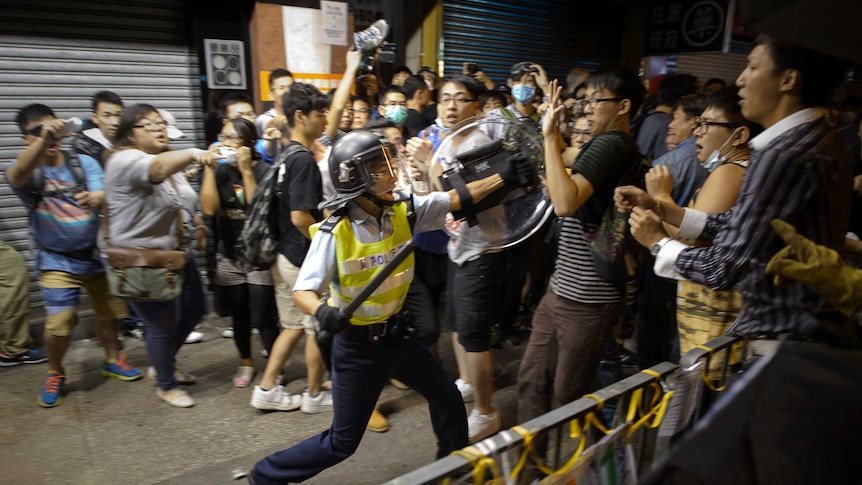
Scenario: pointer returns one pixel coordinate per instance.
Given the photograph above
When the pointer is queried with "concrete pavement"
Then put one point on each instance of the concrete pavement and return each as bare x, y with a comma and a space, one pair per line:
111, 432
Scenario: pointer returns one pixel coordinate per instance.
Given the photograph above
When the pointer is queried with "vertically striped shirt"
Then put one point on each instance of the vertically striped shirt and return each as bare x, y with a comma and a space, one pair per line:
799, 172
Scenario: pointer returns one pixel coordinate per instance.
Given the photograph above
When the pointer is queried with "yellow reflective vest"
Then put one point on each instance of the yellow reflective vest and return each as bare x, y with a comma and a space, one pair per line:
358, 262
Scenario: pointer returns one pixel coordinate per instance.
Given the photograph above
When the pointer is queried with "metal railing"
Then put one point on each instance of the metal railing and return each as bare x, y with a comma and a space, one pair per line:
642, 396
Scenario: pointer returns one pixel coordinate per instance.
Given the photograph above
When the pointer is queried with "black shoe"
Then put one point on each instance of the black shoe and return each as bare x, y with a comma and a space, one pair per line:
32, 356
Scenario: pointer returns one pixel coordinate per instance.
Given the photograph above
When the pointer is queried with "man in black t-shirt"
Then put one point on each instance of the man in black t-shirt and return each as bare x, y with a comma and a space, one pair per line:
418, 98
572, 323
299, 193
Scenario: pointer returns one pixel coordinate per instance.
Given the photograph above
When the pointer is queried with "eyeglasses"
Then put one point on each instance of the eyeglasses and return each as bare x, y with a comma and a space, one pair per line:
457, 101
35, 131
594, 102
223, 137
152, 126
703, 125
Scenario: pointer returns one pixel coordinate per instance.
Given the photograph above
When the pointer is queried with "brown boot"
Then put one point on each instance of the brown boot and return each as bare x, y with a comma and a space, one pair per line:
377, 422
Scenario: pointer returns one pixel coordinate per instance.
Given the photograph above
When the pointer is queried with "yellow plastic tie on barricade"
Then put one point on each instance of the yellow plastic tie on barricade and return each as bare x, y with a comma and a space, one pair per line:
480, 463
656, 411
597, 399
703, 375
529, 449
708, 381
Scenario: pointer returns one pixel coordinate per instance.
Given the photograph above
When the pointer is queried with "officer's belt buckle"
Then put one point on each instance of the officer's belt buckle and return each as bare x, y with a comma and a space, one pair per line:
376, 331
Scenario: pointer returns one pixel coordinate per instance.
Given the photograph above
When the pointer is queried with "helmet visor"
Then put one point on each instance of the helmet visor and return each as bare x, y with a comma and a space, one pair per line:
383, 172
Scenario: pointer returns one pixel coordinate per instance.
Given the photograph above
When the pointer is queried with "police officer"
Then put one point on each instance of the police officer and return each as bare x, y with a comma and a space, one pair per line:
347, 250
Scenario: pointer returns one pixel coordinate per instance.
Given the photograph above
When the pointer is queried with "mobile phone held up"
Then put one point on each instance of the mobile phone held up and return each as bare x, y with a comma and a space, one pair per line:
472, 68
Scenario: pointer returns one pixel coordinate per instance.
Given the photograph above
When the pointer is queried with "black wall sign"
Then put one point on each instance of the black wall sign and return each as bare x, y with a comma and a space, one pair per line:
683, 26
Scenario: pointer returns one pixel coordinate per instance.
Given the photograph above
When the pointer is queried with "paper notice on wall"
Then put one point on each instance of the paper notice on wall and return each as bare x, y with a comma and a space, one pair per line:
334, 21
303, 40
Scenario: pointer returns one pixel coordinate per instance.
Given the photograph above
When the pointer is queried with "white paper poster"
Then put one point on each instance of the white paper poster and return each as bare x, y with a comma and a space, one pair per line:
334, 18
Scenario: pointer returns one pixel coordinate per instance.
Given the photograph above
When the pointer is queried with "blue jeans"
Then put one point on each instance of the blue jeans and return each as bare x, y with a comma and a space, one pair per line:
360, 369
168, 323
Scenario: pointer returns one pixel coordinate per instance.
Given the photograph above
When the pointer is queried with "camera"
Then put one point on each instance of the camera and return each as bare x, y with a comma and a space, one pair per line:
472, 68
387, 53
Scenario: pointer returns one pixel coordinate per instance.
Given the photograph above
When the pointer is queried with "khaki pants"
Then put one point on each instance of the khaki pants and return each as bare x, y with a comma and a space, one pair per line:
14, 303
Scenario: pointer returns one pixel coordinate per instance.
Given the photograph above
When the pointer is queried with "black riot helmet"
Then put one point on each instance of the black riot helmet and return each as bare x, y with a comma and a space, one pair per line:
355, 160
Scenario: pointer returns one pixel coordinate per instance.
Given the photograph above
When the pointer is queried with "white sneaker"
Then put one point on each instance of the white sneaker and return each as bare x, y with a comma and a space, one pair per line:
180, 376
465, 388
319, 404
194, 337
275, 399
264, 353
227, 333
481, 426
177, 398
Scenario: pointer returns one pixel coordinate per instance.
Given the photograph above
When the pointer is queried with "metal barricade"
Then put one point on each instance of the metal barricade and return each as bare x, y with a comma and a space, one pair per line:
639, 399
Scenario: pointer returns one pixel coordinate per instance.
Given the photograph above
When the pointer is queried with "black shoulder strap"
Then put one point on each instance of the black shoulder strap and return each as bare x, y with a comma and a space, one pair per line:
288, 151
329, 224
38, 177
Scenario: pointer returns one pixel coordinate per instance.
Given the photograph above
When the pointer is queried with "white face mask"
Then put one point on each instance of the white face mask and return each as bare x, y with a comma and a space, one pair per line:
716, 159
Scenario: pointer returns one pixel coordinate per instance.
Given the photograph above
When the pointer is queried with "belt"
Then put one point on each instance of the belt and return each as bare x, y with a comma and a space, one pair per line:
374, 331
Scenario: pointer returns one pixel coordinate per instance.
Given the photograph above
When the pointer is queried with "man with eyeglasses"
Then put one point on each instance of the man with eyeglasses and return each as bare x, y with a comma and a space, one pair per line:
657, 338
474, 272
280, 81
799, 172
107, 109
574, 319
64, 220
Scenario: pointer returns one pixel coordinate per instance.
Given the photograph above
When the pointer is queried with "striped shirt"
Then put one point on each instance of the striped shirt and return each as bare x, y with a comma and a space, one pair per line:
603, 162
799, 172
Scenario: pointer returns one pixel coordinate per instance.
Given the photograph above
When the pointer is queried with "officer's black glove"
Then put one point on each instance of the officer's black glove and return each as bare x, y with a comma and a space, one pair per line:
330, 320
519, 170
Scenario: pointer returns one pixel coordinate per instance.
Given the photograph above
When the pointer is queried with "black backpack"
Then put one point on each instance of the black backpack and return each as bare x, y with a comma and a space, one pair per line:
38, 178
257, 245
610, 241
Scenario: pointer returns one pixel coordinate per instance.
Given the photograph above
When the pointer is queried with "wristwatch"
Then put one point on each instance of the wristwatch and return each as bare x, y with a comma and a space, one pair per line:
657, 246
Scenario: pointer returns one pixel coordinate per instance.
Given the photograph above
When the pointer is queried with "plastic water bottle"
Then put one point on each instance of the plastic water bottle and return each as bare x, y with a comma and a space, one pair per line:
73, 125
371, 38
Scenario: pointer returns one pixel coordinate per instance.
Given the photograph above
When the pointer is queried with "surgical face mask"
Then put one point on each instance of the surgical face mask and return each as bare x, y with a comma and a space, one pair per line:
716, 159
523, 93
228, 156
397, 114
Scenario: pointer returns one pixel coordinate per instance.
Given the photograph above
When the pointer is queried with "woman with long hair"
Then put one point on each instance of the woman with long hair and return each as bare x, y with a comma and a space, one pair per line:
227, 190
144, 188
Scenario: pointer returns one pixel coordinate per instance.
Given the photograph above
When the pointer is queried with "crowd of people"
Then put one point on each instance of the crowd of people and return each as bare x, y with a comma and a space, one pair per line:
353, 178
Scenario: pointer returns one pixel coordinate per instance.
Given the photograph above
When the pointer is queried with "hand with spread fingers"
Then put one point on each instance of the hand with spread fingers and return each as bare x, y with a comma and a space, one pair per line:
819, 268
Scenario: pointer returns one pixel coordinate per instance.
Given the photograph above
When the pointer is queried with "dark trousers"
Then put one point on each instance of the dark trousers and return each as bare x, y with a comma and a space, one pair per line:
566, 345
252, 306
423, 298
360, 369
656, 320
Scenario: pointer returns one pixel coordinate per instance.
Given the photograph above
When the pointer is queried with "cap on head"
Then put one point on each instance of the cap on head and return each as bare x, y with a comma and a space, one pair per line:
174, 133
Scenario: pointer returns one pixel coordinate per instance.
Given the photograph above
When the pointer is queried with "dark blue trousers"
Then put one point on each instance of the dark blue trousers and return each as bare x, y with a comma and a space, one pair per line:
360, 369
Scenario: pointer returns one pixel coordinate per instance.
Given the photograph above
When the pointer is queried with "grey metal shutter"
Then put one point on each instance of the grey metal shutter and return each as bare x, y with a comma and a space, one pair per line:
60, 53
497, 34
723, 66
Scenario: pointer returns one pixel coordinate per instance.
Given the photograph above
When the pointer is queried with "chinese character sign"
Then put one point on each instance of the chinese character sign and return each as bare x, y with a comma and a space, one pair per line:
680, 26
334, 18
225, 63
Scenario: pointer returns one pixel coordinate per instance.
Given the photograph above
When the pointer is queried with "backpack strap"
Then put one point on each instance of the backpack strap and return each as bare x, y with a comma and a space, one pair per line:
73, 163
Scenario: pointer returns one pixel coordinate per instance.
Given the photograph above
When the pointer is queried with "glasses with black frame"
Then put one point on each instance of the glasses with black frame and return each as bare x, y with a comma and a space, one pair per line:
152, 125
459, 101
703, 125
593, 103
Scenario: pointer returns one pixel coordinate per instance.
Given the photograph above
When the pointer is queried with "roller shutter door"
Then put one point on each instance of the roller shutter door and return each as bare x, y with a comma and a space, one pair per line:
723, 66
557, 35
60, 53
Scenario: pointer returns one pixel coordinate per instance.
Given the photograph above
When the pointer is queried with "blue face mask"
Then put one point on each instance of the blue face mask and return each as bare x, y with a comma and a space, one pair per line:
396, 114
523, 93
716, 159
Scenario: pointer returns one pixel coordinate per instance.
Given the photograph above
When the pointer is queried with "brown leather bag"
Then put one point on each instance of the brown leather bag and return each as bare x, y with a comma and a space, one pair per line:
138, 274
